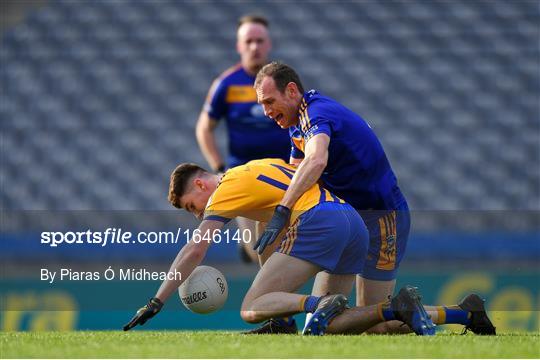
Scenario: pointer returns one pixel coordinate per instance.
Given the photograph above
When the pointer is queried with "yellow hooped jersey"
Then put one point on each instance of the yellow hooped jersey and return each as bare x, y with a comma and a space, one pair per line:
253, 190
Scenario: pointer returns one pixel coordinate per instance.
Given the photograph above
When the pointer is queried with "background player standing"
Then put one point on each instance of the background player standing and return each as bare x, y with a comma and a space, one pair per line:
251, 135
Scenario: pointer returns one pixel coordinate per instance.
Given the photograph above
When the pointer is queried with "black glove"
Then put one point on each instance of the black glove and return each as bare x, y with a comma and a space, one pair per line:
143, 314
273, 229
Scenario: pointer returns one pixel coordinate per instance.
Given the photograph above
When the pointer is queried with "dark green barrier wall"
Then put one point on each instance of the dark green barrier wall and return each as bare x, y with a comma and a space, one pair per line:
513, 302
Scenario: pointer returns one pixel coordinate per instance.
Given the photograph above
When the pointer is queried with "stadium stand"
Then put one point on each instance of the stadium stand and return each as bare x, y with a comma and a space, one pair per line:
99, 99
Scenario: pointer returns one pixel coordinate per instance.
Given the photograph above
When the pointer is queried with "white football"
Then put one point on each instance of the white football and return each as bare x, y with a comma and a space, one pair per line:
204, 291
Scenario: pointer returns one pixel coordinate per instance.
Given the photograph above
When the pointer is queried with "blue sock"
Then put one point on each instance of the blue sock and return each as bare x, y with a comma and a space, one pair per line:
311, 302
384, 311
457, 316
388, 314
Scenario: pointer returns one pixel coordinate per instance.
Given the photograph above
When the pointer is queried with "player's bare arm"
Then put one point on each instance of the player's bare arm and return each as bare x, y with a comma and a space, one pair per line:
185, 262
310, 169
188, 258
207, 141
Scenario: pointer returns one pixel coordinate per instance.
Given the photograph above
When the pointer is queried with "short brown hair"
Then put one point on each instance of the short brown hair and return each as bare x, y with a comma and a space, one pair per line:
253, 18
282, 75
180, 181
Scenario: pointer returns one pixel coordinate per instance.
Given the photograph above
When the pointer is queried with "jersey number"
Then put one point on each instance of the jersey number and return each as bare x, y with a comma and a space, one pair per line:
276, 183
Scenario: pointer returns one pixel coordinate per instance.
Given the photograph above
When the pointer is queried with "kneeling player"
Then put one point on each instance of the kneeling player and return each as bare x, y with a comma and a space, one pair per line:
325, 234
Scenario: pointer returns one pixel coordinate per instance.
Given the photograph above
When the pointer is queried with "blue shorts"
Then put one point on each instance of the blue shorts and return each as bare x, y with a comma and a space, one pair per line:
388, 235
330, 235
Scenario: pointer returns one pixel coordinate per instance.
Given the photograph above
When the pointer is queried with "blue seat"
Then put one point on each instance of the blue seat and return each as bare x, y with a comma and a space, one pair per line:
96, 82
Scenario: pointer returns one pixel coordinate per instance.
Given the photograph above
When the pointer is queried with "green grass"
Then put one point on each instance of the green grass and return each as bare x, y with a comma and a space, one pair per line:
183, 344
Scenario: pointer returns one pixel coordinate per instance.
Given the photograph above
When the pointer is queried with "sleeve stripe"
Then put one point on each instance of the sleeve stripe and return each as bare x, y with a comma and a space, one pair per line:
302, 127
308, 120
217, 218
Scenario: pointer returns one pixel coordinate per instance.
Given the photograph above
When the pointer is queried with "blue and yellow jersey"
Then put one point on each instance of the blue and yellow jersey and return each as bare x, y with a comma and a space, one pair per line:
358, 170
254, 190
251, 134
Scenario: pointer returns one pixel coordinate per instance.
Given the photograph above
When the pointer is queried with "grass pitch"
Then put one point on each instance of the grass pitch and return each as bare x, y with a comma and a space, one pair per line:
211, 344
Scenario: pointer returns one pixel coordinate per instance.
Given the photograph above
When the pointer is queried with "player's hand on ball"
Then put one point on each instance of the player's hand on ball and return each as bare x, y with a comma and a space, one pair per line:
273, 229
146, 312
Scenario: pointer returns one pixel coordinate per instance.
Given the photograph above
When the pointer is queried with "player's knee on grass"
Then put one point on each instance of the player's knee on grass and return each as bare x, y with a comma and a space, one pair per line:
250, 316
333, 329
389, 327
